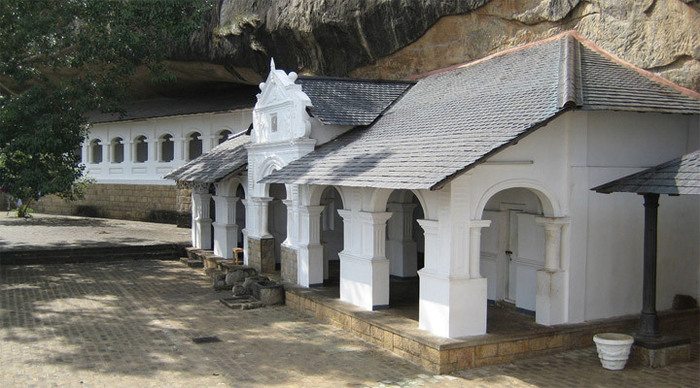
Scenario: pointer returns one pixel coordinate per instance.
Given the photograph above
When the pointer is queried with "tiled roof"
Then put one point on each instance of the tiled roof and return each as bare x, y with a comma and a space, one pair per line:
222, 101
679, 176
219, 162
452, 120
346, 101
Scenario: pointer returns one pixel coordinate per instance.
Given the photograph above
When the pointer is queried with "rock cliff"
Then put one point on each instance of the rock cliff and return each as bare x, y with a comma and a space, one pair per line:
401, 38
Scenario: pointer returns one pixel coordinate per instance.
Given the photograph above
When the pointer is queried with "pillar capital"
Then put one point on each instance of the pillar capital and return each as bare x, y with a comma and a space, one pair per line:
429, 226
287, 202
344, 214
552, 222
260, 200
375, 218
478, 224
312, 211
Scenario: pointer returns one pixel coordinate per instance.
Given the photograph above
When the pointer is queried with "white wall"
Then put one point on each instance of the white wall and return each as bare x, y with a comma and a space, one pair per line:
615, 146
152, 171
602, 245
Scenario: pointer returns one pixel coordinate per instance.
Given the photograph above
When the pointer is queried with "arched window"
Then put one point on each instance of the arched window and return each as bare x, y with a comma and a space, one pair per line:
95, 151
140, 149
223, 135
117, 150
194, 145
167, 148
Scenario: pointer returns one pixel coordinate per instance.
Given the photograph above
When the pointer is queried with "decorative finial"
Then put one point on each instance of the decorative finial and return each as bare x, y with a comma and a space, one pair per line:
272, 64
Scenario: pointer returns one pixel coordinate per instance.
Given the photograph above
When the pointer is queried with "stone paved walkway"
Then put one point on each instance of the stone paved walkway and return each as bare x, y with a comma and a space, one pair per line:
132, 324
44, 231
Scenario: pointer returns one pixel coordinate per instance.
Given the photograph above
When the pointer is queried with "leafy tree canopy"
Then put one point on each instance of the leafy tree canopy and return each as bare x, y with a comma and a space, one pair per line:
62, 58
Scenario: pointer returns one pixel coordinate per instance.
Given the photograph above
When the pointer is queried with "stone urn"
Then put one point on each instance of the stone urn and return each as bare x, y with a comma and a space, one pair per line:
613, 349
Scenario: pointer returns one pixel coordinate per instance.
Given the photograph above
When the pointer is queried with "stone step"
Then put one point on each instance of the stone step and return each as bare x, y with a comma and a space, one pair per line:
192, 263
92, 254
241, 303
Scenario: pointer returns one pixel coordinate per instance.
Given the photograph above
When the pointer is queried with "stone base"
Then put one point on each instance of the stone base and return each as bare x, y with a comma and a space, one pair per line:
658, 353
261, 254
153, 203
288, 264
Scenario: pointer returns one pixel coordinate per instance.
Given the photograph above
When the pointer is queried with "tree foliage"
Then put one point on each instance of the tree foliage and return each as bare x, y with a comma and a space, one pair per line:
60, 59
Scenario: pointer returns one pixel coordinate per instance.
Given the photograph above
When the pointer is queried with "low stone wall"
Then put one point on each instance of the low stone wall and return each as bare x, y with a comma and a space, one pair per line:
441, 355
288, 264
261, 254
155, 203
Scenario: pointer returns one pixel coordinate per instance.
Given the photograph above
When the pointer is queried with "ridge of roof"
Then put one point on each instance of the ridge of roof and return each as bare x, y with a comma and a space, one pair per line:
349, 79
571, 36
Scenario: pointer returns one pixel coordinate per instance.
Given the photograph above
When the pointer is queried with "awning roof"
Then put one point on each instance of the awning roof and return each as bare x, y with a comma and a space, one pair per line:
223, 160
678, 176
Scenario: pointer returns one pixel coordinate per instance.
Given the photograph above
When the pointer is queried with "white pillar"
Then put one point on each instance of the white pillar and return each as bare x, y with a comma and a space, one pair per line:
225, 227
179, 149
475, 246
401, 250
452, 299
85, 152
310, 253
201, 221
364, 269
550, 303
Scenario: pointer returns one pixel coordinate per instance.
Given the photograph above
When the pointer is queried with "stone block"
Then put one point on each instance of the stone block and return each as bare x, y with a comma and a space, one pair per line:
238, 275
288, 264
486, 350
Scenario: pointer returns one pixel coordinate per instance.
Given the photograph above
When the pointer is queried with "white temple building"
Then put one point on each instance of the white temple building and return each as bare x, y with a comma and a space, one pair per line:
476, 179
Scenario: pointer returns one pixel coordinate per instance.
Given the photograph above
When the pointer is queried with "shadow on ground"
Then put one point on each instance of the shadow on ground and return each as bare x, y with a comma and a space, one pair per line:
139, 320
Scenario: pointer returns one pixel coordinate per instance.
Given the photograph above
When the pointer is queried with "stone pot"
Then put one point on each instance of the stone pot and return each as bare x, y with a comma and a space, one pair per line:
613, 349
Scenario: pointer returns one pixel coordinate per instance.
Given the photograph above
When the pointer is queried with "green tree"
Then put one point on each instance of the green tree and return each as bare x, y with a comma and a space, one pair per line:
60, 59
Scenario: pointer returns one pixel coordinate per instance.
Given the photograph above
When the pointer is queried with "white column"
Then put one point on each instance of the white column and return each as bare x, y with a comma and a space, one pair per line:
179, 149
475, 246
85, 152
310, 253
225, 227
364, 272
291, 239
257, 223
128, 145
201, 221
550, 303
452, 301
401, 250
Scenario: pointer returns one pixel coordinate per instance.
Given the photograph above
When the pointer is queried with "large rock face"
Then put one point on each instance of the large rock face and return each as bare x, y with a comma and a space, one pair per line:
402, 38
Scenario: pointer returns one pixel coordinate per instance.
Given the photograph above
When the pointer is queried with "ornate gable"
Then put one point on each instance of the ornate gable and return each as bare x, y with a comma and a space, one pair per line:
280, 112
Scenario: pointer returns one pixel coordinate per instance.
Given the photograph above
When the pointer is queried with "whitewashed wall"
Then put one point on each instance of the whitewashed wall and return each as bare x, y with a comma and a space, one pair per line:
602, 247
152, 171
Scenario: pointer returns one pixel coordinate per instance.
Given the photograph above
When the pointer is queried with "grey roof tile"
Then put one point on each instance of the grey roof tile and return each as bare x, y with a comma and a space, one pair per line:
678, 176
452, 120
347, 101
219, 162
220, 101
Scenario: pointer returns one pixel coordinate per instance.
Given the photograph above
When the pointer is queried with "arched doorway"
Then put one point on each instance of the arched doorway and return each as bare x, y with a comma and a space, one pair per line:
512, 248
405, 249
240, 214
332, 229
277, 218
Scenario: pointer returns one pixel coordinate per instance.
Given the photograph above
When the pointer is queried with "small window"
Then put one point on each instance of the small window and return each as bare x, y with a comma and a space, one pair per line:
140, 149
224, 135
117, 150
167, 148
194, 145
273, 122
95, 151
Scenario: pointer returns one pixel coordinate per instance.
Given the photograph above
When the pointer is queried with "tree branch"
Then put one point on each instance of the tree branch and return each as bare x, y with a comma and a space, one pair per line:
7, 89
